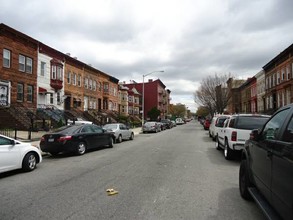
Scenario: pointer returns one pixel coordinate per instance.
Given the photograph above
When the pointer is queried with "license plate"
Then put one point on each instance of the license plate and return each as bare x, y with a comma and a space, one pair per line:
51, 140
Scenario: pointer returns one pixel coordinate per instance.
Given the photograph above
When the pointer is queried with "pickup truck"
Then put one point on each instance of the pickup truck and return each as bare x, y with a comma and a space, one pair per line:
232, 136
266, 169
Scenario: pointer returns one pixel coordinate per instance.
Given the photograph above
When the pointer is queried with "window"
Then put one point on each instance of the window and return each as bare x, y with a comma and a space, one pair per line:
90, 84
288, 134
59, 73
6, 58
53, 73
86, 82
278, 78
94, 85
25, 64
79, 80
21, 61
5, 141
30, 93
68, 77
288, 72
19, 92
58, 98
29, 65
271, 129
283, 74
51, 99
74, 79
43, 68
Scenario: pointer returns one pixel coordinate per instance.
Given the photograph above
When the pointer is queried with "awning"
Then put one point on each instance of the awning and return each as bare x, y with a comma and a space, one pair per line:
42, 90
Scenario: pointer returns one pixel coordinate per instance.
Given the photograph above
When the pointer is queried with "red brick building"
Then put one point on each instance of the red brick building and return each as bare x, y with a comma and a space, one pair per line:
155, 95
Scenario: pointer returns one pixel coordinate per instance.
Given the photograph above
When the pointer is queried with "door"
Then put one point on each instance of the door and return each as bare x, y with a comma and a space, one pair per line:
262, 153
85, 105
282, 172
9, 155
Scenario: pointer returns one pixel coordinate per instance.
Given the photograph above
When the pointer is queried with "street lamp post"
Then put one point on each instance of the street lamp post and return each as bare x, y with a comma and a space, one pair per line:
142, 118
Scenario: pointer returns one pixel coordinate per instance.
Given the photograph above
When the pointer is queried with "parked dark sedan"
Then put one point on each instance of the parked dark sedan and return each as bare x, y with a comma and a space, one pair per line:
77, 139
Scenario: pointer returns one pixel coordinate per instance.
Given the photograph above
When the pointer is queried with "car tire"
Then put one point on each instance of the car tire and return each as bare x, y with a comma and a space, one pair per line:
81, 148
244, 182
228, 153
111, 142
217, 143
131, 137
119, 139
29, 162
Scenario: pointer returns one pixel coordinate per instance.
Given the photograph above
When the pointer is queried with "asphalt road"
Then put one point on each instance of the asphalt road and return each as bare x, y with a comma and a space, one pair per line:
174, 174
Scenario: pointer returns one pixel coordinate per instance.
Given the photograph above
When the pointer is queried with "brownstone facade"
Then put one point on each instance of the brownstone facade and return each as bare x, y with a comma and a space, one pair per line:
18, 58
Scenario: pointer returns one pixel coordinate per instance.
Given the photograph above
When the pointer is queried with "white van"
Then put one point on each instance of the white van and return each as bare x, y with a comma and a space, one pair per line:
179, 121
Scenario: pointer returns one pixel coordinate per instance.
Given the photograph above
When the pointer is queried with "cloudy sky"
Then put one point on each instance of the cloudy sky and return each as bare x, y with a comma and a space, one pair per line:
188, 39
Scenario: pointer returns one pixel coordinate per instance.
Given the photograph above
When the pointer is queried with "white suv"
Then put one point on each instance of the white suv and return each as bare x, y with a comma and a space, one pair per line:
236, 130
216, 124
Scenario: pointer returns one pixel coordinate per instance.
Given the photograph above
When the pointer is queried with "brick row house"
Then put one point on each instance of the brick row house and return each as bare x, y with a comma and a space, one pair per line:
270, 89
155, 95
41, 83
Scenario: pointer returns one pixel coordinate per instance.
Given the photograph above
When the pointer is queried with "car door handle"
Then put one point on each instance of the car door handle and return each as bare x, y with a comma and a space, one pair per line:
269, 154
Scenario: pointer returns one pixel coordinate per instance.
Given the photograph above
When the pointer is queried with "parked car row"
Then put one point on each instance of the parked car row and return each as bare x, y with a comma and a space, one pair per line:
76, 138
155, 126
266, 146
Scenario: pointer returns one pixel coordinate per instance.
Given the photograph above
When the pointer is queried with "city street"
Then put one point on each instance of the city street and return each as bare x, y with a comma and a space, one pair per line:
173, 174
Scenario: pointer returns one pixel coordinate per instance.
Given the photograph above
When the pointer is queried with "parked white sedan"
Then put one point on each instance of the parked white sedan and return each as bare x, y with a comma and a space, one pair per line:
18, 155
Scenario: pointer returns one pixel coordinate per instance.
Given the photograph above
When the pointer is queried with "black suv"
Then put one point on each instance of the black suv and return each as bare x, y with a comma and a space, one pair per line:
266, 170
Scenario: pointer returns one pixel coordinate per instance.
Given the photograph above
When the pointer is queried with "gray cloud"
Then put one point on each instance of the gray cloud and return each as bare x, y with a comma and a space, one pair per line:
188, 40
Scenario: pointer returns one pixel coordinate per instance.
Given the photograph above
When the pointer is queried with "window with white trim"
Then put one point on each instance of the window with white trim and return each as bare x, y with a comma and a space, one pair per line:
59, 73
51, 99
90, 84
278, 78
94, 85
69, 77
30, 92
74, 79
43, 68
58, 98
283, 74
53, 74
29, 65
19, 96
6, 58
21, 61
86, 83
79, 80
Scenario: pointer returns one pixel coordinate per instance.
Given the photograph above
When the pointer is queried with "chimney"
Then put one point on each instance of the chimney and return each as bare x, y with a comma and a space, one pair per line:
150, 80
68, 54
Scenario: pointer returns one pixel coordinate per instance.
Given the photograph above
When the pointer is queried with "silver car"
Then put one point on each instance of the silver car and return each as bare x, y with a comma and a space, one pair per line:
121, 131
151, 126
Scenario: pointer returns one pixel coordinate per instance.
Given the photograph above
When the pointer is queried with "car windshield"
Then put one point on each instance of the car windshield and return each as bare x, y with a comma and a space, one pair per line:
150, 123
249, 123
110, 126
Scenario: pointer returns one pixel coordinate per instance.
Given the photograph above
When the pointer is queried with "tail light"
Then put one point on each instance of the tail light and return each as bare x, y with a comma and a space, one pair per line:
65, 138
234, 136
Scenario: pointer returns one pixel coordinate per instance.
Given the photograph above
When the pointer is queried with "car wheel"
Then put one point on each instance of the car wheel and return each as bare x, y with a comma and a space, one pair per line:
111, 142
244, 182
119, 139
228, 153
29, 162
217, 143
81, 148
131, 136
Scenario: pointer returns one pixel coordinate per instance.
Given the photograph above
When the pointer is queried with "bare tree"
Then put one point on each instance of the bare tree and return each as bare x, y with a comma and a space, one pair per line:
213, 93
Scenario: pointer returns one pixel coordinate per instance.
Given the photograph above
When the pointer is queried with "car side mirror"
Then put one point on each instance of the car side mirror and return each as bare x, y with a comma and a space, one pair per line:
254, 135
13, 142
